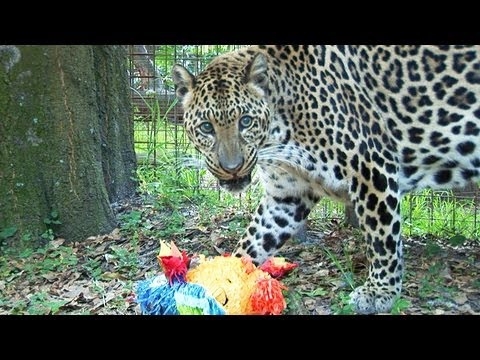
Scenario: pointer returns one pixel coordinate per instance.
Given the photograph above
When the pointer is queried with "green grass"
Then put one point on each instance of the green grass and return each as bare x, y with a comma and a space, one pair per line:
440, 214
346, 268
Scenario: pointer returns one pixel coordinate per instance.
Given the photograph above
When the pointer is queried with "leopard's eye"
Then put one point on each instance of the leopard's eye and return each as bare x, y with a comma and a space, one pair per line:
206, 127
245, 121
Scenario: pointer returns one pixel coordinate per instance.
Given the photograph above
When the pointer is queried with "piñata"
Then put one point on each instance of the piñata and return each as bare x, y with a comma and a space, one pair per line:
221, 285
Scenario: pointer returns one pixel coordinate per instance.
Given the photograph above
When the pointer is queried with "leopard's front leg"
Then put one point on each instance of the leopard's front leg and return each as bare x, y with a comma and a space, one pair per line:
379, 218
277, 219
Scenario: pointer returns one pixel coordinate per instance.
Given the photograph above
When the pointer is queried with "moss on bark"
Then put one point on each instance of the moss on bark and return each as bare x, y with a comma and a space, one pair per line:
55, 139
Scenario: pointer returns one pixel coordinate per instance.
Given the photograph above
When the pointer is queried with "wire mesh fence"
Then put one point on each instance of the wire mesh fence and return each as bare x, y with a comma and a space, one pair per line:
160, 139
158, 118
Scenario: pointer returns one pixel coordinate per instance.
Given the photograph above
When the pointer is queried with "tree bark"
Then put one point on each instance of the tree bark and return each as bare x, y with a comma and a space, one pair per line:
66, 139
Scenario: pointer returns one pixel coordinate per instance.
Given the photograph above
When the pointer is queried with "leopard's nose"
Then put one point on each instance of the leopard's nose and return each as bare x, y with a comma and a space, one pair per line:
232, 165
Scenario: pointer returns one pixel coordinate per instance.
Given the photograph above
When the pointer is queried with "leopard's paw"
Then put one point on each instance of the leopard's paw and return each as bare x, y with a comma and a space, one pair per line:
369, 300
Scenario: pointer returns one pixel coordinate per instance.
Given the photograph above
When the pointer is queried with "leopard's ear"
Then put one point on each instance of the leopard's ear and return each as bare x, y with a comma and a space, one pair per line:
256, 72
184, 82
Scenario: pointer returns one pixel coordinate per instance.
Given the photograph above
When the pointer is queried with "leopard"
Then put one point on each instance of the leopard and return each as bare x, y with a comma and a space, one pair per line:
361, 124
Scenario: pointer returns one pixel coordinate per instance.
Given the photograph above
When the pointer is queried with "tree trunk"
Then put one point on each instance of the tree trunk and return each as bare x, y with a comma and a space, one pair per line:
66, 140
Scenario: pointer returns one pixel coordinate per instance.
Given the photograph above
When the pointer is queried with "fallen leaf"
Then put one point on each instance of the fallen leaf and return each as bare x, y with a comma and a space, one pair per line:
321, 273
56, 243
446, 273
111, 275
50, 276
116, 234
467, 309
103, 301
460, 298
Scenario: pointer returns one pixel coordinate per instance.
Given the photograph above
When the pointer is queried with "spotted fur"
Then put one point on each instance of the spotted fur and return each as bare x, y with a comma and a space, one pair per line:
361, 124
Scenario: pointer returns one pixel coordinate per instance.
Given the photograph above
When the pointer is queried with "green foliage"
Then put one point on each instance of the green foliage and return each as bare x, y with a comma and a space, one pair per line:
476, 283
314, 293
131, 220
48, 235
434, 285
44, 260
342, 304
52, 219
440, 214
126, 261
93, 268
175, 226
346, 269
432, 248
51, 259
170, 187
400, 305
27, 263
42, 304
193, 57
7, 232
157, 131
51, 222
457, 240
293, 300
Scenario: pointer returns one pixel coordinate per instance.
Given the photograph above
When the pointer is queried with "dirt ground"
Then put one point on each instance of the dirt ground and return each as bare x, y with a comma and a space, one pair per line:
440, 279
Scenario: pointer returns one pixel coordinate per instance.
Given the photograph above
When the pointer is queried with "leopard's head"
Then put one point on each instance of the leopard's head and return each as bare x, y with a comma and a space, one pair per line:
227, 114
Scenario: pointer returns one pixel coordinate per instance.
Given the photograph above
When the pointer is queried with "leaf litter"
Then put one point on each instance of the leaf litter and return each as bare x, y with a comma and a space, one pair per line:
99, 275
